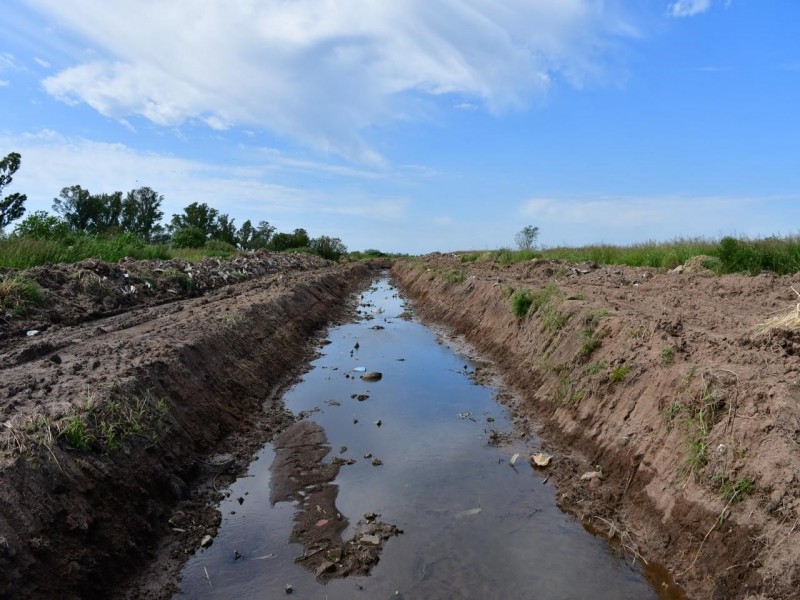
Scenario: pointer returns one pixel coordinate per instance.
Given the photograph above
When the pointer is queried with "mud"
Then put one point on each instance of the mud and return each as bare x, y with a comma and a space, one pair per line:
300, 474
172, 393
674, 424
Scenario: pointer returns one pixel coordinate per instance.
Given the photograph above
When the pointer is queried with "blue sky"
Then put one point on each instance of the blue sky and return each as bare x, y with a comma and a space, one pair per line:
418, 125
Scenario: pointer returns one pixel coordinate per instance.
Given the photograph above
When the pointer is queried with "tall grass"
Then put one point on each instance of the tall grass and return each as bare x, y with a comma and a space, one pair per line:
24, 252
734, 255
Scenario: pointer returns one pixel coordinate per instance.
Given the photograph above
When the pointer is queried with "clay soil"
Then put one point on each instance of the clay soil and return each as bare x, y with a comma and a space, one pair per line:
673, 420
129, 399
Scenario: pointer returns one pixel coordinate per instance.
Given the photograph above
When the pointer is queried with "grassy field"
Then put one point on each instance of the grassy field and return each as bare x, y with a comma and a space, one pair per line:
728, 255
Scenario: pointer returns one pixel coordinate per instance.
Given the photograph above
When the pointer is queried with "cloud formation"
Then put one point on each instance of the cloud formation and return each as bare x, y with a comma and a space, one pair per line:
688, 8
320, 71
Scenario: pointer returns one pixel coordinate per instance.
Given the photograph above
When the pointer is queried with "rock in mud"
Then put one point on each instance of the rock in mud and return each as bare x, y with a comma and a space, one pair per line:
372, 376
206, 541
541, 459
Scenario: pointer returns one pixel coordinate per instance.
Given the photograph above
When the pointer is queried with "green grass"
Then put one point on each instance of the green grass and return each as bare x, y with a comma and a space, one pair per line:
733, 491
591, 342
76, 433
780, 255
123, 416
24, 253
521, 302
619, 373
667, 355
19, 294
595, 368
455, 276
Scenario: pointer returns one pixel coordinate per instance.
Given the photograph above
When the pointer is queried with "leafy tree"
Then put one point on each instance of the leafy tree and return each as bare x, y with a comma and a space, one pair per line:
11, 206
201, 216
141, 211
225, 230
108, 209
283, 241
189, 237
42, 225
526, 239
76, 206
328, 247
252, 238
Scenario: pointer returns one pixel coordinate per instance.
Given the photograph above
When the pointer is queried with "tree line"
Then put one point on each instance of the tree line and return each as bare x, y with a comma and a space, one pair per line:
138, 213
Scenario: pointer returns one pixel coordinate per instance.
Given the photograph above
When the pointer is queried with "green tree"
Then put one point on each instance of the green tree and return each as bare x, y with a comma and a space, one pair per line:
225, 230
283, 241
76, 206
189, 237
108, 210
141, 211
526, 239
252, 238
201, 216
42, 225
328, 247
11, 206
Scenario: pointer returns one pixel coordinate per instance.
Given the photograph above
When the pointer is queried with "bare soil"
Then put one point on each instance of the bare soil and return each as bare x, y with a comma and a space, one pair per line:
674, 423
146, 388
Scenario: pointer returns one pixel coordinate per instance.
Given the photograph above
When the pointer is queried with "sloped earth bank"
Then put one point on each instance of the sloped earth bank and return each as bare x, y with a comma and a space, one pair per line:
117, 431
675, 425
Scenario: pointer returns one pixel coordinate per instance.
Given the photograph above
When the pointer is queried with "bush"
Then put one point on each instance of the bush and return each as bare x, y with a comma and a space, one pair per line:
189, 237
521, 302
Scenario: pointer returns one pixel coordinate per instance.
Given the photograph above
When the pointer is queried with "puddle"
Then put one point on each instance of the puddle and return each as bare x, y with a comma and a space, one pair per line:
474, 527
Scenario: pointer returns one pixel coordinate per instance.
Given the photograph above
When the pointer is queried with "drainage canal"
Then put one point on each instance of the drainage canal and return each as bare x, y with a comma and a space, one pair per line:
425, 489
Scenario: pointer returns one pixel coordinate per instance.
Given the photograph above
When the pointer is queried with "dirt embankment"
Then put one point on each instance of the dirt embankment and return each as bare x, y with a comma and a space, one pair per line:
109, 425
675, 424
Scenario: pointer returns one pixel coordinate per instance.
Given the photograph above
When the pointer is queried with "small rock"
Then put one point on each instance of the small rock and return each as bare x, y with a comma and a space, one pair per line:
590, 475
288, 589
372, 376
325, 567
378, 422
362, 397
236, 555
377, 462
371, 516
206, 541
541, 459
370, 539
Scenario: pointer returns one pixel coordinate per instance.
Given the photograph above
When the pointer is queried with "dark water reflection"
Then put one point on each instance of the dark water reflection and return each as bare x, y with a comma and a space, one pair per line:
474, 526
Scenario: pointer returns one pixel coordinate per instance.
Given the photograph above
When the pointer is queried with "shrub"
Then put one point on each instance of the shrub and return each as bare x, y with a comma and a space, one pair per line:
619, 373
19, 294
521, 303
189, 237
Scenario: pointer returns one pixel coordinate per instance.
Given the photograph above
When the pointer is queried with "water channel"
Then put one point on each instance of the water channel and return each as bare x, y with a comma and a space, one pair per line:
474, 526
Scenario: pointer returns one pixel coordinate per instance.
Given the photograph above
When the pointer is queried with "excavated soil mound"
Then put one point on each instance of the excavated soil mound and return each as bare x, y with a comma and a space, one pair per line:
674, 424
118, 427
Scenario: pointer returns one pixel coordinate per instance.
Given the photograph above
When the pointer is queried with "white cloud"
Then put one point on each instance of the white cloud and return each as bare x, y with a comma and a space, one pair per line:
41, 62
3, 83
688, 8
321, 71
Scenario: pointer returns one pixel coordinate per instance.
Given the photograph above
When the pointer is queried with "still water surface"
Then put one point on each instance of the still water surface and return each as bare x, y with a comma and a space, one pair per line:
438, 470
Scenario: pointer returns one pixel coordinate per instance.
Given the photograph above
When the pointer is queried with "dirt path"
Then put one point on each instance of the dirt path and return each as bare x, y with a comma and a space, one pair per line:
109, 424
675, 426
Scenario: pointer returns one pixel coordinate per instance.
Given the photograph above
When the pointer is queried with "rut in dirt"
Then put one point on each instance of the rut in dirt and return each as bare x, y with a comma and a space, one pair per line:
416, 450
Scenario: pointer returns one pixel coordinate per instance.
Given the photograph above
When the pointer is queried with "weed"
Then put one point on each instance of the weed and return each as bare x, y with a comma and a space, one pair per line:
578, 396
595, 368
554, 320
470, 257
673, 410
619, 373
179, 278
667, 355
521, 303
564, 390
733, 491
19, 294
591, 342
698, 428
455, 276
76, 433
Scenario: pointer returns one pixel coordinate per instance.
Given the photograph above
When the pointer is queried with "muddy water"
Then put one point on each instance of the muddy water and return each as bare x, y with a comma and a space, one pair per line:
474, 526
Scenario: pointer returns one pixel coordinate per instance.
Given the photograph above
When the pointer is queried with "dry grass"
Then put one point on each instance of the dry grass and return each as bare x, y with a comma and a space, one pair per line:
790, 321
